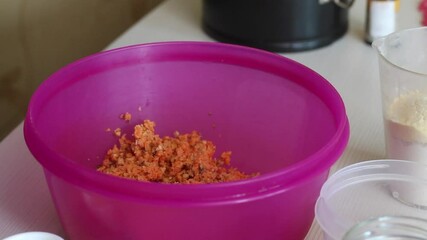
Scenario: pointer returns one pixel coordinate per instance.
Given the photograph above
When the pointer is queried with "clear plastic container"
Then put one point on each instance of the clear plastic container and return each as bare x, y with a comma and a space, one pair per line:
403, 76
278, 117
371, 189
389, 228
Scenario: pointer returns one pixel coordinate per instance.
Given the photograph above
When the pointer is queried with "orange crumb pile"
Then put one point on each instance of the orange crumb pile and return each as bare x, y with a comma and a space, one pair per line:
183, 158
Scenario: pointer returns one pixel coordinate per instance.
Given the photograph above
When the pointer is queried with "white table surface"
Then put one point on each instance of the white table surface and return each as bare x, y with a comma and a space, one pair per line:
349, 64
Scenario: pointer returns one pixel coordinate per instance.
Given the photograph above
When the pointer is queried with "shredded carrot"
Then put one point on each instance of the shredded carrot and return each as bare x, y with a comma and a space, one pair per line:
182, 158
118, 132
126, 116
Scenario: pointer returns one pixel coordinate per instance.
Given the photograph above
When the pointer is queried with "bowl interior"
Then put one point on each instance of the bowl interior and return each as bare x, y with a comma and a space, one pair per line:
259, 107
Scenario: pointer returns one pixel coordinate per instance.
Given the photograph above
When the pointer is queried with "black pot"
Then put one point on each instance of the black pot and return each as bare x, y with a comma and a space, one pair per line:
276, 25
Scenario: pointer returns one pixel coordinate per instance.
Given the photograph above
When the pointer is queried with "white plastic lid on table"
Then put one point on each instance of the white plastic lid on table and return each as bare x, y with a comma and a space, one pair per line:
371, 189
34, 236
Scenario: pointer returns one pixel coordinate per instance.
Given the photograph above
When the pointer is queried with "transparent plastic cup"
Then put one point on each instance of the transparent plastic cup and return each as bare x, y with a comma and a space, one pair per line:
403, 78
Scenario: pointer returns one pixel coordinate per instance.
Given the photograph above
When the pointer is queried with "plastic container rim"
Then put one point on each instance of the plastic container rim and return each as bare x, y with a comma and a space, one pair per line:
376, 44
343, 178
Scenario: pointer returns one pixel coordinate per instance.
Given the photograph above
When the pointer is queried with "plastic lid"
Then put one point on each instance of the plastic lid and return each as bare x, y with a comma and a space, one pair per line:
371, 189
34, 236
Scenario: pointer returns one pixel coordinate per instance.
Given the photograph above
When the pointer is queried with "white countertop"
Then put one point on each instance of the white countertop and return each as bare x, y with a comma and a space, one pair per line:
349, 64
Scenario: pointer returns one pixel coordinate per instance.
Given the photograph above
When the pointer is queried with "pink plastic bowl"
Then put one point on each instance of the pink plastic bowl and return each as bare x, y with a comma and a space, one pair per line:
278, 118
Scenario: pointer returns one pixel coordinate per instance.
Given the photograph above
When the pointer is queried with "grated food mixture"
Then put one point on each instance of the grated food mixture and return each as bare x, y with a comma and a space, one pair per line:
183, 158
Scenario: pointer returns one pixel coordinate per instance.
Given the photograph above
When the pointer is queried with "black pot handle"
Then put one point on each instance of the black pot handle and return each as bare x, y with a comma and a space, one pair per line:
341, 3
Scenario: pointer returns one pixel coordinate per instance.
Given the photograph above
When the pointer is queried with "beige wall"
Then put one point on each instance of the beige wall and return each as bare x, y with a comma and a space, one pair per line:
39, 36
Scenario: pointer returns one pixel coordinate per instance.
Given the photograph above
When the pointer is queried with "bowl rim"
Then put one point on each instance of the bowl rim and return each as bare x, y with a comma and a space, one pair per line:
265, 185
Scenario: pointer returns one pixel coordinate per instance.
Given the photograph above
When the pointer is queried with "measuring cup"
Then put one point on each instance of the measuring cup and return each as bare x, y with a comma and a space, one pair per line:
403, 79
